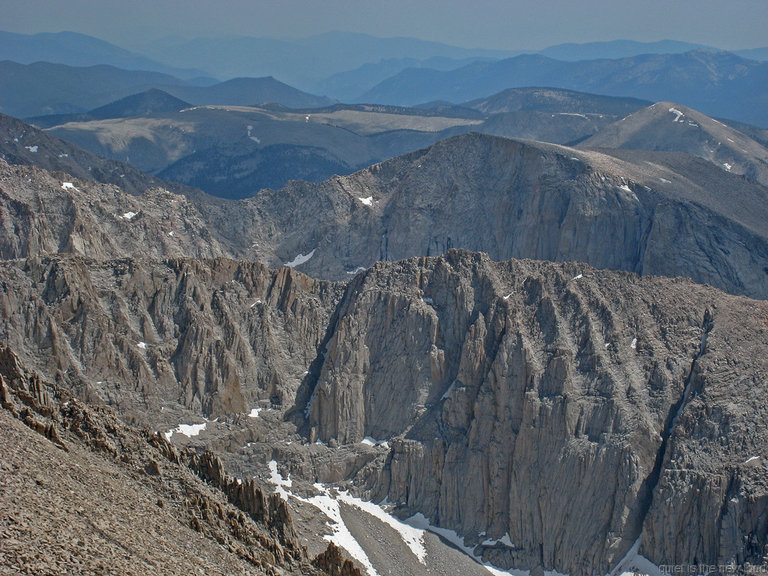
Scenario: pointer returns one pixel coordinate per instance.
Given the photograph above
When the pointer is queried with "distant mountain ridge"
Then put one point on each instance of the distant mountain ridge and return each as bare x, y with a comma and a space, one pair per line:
613, 49
303, 62
716, 83
74, 49
43, 88
667, 126
235, 151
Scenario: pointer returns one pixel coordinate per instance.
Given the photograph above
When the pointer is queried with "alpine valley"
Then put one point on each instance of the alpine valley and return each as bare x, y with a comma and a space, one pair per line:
493, 313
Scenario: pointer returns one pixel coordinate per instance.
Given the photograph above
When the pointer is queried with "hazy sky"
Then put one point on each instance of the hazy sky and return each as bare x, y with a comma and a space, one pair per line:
500, 24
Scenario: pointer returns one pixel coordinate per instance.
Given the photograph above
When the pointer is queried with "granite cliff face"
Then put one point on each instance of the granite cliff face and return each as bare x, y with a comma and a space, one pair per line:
572, 409
44, 212
653, 215
212, 337
514, 199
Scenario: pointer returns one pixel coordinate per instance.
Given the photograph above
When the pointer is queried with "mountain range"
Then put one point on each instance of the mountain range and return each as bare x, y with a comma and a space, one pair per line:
717, 83
613, 376
235, 152
508, 330
43, 89
337, 64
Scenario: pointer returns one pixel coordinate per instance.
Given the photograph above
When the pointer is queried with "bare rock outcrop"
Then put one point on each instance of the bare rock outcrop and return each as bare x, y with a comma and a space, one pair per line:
212, 337
662, 215
665, 214
99, 497
44, 212
566, 408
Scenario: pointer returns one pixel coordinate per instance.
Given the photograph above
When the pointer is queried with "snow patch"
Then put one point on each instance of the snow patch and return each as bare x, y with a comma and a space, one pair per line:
142, 345
128, 216
428, 300
505, 540
677, 114
356, 270
633, 345
254, 138
340, 534
727, 166
257, 302
254, 413
413, 537
421, 522
367, 201
508, 295
664, 181
635, 564
300, 259
31, 148
577, 277
276, 478
190, 430
187, 430
373, 442
68, 186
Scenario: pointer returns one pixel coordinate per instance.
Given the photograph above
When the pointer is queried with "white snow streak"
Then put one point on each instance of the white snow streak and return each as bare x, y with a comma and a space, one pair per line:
633, 345
367, 201
506, 540
373, 442
677, 114
413, 537
254, 138
68, 186
420, 521
188, 430
300, 259
128, 215
340, 534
